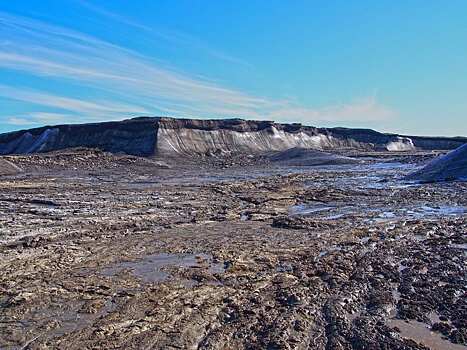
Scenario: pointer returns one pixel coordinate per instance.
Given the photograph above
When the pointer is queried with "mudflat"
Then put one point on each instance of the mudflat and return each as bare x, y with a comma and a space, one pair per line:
102, 251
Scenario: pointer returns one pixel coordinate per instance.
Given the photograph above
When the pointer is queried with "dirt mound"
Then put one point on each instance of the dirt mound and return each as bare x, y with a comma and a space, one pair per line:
450, 167
308, 157
8, 168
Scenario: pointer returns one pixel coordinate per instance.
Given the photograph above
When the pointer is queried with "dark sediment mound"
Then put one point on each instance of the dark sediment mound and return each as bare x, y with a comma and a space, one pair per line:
297, 223
8, 168
450, 167
308, 157
167, 137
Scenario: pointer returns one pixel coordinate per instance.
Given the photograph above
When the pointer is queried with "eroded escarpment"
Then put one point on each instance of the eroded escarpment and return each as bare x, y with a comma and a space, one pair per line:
135, 137
238, 136
213, 137
169, 137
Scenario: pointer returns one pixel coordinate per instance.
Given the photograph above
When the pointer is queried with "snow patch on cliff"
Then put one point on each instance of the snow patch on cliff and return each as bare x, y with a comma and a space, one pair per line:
195, 141
189, 141
402, 144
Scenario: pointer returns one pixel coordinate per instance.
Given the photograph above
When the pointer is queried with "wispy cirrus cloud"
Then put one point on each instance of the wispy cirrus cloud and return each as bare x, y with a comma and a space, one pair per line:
20, 121
362, 109
40, 118
107, 81
66, 103
47, 50
176, 37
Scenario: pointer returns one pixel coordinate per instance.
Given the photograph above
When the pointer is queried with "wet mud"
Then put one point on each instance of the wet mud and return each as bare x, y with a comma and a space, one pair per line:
228, 256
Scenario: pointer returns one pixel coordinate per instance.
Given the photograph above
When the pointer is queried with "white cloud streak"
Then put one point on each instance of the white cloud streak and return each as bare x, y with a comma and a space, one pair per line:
135, 84
365, 109
172, 36
70, 104
41, 118
19, 121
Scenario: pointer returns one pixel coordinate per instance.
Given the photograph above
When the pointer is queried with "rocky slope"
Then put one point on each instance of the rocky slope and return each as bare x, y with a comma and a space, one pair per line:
8, 168
147, 136
452, 166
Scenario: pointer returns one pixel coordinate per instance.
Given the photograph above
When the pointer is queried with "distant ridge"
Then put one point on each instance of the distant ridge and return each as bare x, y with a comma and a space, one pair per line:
163, 136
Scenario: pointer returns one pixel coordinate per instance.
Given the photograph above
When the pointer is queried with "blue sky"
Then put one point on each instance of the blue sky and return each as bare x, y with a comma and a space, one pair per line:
394, 66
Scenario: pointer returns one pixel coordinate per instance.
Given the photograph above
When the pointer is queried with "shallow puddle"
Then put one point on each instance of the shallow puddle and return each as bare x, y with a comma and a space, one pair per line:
368, 176
418, 331
320, 255
336, 210
303, 208
142, 184
326, 211
421, 333
370, 239
69, 319
420, 212
150, 268
351, 317
458, 246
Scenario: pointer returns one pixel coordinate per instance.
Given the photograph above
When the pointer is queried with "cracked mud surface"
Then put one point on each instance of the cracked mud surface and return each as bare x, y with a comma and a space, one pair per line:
257, 257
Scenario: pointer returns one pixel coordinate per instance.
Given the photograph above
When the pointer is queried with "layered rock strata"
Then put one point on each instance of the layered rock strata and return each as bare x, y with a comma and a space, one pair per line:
148, 136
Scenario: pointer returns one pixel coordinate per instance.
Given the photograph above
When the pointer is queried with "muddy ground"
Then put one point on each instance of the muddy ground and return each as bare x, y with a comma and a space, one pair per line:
103, 251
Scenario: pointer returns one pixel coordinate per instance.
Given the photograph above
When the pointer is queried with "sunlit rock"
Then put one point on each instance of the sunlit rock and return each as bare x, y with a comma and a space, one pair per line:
146, 136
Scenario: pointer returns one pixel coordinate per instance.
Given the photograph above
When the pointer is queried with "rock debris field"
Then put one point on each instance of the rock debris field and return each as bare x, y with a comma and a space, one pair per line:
102, 251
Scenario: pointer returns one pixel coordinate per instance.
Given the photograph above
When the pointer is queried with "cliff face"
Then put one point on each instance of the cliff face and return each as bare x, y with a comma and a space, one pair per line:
171, 137
135, 136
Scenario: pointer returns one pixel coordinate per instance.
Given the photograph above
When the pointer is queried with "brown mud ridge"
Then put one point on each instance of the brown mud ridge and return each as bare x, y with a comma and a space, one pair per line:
105, 251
